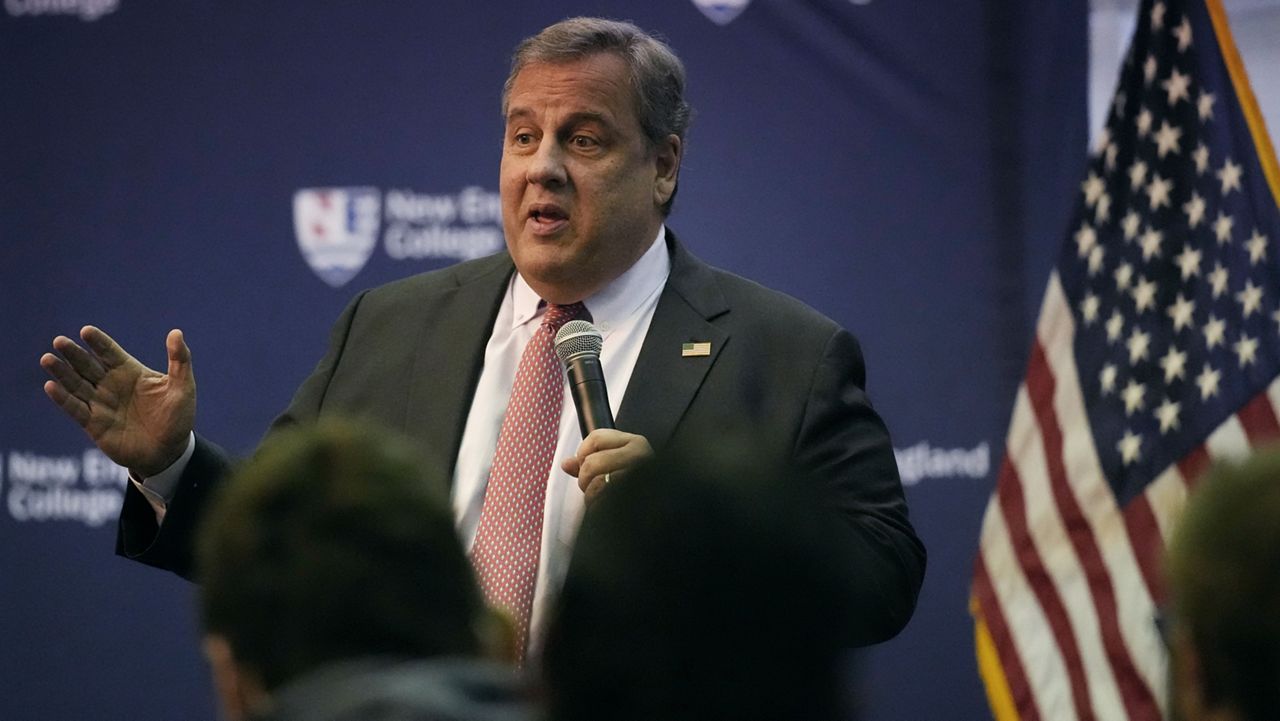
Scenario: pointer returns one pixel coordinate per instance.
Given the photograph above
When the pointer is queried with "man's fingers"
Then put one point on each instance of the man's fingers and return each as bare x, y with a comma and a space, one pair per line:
605, 453
104, 347
597, 464
179, 355
570, 465
593, 489
606, 466
69, 404
84, 363
603, 439
592, 485
67, 378
614, 459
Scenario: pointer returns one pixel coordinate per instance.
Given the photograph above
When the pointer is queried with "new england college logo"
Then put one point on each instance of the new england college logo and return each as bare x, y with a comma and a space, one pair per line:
722, 12
337, 229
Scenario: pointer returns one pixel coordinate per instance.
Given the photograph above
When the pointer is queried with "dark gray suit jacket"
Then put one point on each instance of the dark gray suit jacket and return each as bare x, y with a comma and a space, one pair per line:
408, 354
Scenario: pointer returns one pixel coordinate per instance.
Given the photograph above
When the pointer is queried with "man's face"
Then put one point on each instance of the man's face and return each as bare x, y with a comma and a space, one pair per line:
581, 187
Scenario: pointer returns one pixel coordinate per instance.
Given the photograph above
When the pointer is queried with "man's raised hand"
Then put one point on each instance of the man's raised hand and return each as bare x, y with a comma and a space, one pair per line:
138, 417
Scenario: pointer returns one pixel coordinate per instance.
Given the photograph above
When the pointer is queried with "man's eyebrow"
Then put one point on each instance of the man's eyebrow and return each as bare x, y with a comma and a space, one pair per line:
517, 113
587, 116
582, 116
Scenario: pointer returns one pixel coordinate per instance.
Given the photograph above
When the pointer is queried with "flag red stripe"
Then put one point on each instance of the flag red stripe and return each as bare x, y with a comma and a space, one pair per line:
1139, 702
1147, 543
1259, 420
1014, 675
1193, 465
1013, 504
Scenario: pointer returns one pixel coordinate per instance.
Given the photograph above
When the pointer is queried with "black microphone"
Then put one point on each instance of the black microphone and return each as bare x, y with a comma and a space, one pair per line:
578, 345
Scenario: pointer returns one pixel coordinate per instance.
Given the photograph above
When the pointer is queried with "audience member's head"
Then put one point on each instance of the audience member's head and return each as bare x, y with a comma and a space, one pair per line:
1224, 595
702, 589
330, 545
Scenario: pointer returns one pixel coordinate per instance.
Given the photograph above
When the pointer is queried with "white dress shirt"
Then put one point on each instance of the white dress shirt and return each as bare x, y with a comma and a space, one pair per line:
622, 312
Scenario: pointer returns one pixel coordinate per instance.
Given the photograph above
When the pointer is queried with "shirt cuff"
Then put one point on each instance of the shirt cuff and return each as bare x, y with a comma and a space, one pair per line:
160, 488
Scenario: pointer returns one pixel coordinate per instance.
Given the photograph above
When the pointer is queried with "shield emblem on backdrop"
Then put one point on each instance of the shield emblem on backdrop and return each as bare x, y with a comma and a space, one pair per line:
722, 12
337, 229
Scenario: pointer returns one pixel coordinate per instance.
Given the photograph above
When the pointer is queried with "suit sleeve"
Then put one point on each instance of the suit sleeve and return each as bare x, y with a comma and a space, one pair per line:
171, 545
843, 440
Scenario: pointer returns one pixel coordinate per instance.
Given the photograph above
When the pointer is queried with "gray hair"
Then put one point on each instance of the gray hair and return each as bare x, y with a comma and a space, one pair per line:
656, 74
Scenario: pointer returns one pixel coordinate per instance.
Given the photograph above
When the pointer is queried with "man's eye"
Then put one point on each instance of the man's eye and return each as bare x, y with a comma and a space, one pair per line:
584, 141
522, 138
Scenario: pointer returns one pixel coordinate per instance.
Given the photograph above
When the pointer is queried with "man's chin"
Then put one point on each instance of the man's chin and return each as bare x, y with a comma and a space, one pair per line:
547, 268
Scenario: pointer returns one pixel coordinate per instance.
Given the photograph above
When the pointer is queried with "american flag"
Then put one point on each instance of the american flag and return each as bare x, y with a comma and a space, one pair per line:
1157, 350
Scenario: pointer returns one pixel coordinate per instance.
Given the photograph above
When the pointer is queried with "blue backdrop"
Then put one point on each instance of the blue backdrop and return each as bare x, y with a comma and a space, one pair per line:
907, 170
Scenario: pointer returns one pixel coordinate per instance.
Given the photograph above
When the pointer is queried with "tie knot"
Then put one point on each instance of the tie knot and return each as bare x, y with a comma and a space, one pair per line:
558, 315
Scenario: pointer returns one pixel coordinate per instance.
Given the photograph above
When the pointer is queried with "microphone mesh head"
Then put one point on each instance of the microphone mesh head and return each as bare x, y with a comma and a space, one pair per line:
576, 338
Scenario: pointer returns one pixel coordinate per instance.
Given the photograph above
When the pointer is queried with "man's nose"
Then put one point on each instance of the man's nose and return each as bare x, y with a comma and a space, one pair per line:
547, 165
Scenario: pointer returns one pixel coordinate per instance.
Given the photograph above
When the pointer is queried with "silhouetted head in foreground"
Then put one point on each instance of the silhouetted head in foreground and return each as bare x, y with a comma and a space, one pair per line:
703, 588
332, 550
1223, 619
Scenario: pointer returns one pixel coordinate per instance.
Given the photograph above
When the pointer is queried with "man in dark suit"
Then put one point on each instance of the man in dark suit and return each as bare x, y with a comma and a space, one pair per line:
595, 124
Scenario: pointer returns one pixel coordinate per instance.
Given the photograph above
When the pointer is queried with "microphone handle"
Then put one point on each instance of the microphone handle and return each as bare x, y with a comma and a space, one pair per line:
586, 384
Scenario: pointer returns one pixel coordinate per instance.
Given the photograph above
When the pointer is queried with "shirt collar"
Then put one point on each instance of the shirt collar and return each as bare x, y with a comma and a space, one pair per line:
616, 301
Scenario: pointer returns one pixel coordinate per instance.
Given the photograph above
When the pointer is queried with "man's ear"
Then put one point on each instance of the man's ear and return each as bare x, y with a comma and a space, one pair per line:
238, 690
667, 157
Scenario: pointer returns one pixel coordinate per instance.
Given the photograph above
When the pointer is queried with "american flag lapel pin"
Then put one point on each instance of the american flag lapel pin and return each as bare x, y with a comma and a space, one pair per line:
695, 350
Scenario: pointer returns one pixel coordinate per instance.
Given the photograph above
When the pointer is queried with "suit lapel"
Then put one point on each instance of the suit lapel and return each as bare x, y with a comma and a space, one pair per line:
449, 356
449, 353
664, 381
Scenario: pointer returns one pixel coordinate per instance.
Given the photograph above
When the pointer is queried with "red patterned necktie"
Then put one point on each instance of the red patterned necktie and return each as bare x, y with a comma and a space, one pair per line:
509, 539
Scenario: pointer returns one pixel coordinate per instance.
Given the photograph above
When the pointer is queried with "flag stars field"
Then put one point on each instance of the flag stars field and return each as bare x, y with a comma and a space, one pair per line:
1189, 262
1167, 415
1144, 295
1089, 308
1257, 246
1208, 382
1139, 344
1176, 87
1159, 191
1130, 224
1246, 350
1230, 176
1150, 242
1167, 138
1130, 447
1181, 312
1143, 122
1194, 209
1086, 239
1250, 299
1115, 326
1222, 227
1107, 378
1215, 330
1133, 395
1204, 105
1218, 280
1174, 364
1137, 174
1183, 34
1201, 158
